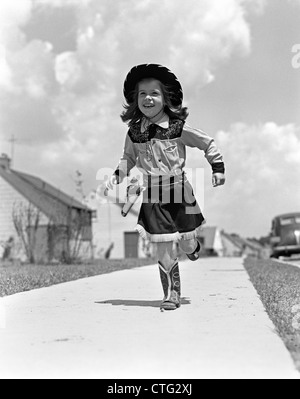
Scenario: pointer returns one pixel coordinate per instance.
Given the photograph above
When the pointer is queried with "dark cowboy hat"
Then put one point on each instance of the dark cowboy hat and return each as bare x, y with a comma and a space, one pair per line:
154, 71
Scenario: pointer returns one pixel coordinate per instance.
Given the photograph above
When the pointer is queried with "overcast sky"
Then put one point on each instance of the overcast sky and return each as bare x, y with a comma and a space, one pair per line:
62, 67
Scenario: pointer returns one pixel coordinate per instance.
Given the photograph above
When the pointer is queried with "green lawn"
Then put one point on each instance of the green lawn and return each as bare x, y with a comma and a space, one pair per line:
20, 278
279, 288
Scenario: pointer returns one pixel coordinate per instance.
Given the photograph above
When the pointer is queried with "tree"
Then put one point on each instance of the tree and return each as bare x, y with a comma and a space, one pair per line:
65, 241
77, 232
8, 248
26, 219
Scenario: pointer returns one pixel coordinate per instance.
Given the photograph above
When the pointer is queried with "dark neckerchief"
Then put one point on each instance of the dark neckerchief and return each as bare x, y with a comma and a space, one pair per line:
155, 131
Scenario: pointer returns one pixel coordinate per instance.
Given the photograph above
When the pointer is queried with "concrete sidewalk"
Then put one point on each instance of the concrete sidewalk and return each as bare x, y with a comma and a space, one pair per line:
111, 327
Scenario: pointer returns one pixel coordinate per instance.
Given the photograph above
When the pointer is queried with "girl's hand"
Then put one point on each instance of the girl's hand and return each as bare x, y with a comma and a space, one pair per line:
218, 179
109, 185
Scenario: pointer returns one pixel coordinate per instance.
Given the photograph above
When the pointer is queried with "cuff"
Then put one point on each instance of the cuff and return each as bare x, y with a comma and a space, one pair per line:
120, 175
218, 167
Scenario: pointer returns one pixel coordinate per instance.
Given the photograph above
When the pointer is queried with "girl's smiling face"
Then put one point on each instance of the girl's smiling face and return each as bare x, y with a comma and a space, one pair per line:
150, 98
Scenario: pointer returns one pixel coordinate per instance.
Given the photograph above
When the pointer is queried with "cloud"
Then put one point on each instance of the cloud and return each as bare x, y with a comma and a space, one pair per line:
5, 71
263, 169
63, 3
256, 6
112, 37
67, 69
27, 97
28, 84
14, 13
296, 2
193, 43
82, 90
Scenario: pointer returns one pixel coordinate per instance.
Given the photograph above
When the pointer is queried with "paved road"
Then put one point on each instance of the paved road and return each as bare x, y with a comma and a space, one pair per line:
111, 327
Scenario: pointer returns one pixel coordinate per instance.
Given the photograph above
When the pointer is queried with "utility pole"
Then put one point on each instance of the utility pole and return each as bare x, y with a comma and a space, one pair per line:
12, 141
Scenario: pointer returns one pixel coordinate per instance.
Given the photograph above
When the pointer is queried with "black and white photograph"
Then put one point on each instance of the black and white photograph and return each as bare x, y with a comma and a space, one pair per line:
149, 192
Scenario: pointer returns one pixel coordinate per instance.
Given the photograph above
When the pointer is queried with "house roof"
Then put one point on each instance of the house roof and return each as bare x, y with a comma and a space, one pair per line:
52, 191
241, 243
233, 239
49, 200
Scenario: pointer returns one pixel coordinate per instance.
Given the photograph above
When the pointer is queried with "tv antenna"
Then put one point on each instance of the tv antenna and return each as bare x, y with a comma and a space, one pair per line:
13, 140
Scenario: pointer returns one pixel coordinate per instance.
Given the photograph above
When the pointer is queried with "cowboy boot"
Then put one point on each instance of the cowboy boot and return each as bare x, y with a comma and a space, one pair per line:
171, 286
176, 284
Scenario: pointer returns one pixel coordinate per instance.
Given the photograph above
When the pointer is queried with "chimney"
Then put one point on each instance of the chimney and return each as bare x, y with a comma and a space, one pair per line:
5, 161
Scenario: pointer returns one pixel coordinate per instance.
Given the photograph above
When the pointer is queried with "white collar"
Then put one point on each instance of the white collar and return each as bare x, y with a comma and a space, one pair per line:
164, 122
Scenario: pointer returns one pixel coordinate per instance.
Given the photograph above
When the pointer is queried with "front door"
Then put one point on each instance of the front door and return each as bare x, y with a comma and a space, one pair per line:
131, 244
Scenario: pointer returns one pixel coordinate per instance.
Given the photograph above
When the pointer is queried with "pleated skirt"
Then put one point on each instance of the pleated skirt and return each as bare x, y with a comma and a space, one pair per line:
170, 211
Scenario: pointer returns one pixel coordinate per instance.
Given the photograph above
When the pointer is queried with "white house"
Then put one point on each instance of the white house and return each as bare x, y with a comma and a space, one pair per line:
48, 215
218, 242
211, 240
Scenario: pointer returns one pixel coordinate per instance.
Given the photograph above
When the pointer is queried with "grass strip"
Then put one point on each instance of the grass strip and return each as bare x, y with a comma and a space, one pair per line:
279, 288
20, 278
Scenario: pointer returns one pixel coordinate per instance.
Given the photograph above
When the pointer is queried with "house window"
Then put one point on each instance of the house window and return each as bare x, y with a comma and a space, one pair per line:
94, 215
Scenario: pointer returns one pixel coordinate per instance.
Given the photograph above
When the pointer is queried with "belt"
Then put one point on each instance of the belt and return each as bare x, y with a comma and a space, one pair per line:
165, 180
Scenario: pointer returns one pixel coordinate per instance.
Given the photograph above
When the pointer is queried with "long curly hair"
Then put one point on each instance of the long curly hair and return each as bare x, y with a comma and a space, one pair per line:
133, 114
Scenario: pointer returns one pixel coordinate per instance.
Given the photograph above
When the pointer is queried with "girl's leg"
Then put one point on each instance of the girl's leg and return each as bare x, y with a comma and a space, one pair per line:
166, 255
191, 248
170, 277
188, 246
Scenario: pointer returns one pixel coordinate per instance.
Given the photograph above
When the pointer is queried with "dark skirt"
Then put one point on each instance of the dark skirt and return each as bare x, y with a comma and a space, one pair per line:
169, 211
